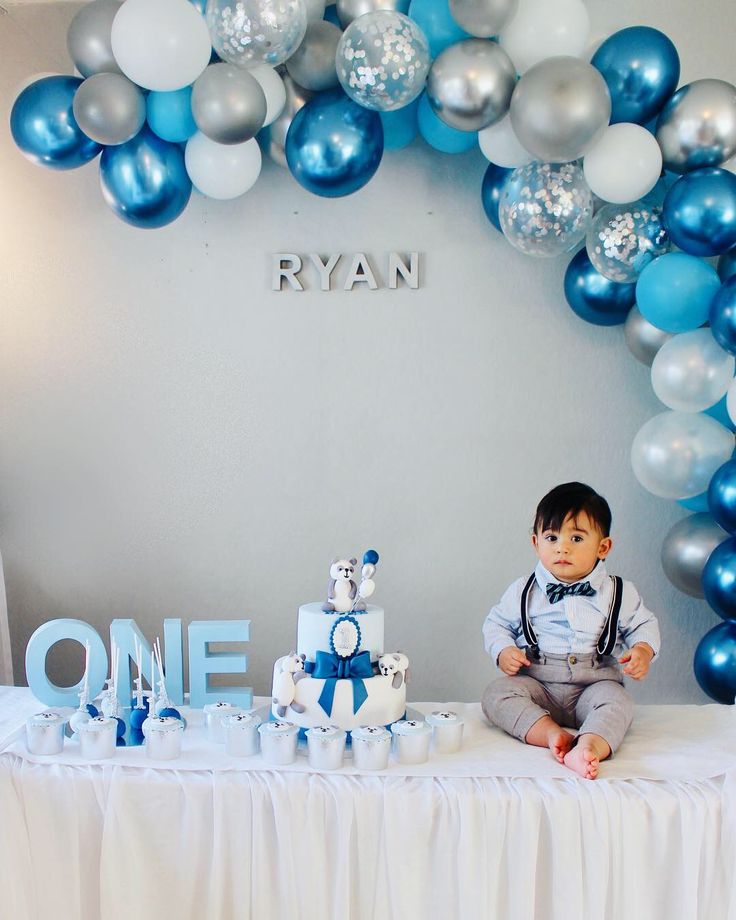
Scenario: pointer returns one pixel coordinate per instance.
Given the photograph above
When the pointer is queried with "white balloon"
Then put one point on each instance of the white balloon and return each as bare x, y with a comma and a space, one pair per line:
366, 587
731, 401
368, 570
222, 170
691, 371
273, 89
315, 9
624, 164
675, 454
500, 145
161, 45
545, 28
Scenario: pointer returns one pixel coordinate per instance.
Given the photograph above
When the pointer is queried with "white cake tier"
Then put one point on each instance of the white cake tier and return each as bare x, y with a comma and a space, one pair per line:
383, 705
314, 626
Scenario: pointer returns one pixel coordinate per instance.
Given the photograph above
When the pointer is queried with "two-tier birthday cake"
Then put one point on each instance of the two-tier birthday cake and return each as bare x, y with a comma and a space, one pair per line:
339, 673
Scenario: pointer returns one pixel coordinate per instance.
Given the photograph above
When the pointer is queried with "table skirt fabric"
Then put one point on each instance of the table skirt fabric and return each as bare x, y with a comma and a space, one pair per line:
499, 830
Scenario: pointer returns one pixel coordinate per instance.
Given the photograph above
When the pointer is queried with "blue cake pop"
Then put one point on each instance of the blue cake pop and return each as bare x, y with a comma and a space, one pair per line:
370, 557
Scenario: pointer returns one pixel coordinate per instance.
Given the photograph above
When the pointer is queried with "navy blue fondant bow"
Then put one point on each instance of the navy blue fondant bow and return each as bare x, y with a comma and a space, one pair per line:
556, 591
331, 668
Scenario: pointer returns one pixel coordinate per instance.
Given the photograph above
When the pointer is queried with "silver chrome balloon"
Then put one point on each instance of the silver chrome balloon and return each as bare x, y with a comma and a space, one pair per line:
470, 84
642, 338
249, 32
697, 127
228, 104
312, 65
273, 138
482, 18
109, 108
560, 108
546, 208
624, 238
686, 549
88, 38
348, 10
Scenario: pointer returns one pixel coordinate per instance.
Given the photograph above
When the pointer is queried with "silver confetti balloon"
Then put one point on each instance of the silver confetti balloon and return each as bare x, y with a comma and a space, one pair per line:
349, 10
546, 208
312, 65
697, 127
470, 84
88, 38
560, 108
686, 549
250, 32
623, 240
228, 104
642, 338
109, 108
273, 138
382, 60
482, 18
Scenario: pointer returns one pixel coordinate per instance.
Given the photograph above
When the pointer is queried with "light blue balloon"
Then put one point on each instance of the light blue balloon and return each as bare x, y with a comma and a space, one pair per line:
145, 181
441, 136
170, 115
700, 211
334, 146
434, 19
39, 645
400, 127
44, 128
720, 413
674, 292
696, 503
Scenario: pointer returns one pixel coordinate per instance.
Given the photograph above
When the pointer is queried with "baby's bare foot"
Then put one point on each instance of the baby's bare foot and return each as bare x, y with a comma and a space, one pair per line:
583, 760
560, 742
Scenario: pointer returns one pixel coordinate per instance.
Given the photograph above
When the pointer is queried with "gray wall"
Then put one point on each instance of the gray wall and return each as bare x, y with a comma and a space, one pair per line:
178, 440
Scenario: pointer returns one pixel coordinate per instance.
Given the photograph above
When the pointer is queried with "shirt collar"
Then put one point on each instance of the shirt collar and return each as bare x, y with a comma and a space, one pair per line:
596, 578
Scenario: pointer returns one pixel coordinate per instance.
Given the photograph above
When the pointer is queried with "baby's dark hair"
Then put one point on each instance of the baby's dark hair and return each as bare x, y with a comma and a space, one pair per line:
572, 498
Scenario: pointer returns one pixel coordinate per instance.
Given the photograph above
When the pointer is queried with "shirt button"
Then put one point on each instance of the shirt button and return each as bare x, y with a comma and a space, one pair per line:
573, 659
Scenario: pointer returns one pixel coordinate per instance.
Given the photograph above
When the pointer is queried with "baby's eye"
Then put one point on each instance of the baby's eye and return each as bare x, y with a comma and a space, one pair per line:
577, 538
551, 537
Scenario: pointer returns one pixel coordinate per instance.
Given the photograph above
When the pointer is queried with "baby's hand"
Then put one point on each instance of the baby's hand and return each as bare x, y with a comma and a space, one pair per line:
639, 658
511, 660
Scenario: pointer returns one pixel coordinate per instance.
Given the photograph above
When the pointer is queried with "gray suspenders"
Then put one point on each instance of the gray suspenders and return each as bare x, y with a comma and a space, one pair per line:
607, 638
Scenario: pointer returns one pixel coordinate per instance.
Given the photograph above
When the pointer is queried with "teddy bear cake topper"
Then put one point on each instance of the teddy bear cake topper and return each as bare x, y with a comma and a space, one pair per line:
343, 595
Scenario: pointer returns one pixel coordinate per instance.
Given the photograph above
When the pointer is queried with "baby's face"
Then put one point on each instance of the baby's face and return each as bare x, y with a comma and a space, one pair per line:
571, 552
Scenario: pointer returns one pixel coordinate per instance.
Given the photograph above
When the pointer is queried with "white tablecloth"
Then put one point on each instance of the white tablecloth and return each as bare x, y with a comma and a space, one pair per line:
496, 831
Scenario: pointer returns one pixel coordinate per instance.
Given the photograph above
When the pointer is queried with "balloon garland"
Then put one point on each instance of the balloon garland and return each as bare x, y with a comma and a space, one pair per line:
610, 152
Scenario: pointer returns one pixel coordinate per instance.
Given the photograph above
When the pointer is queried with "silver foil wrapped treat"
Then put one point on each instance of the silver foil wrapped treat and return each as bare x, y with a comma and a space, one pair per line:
98, 738
371, 747
411, 741
45, 733
447, 731
163, 738
241, 734
326, 746
278, 742
214, 713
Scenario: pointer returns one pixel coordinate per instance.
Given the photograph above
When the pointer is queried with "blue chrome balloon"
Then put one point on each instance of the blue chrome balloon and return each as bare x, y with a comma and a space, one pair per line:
170, 115
439, 135
331, 15
722, 496
491, 191
400, 127
44, 128
674, 292
719, 578
434, 19
727, 265
723, 316
641, 68
334, 146
700, 211
594, 298
715, 663
145, 181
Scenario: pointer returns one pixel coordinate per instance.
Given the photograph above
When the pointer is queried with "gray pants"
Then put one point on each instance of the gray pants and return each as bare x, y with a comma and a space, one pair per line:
575, 690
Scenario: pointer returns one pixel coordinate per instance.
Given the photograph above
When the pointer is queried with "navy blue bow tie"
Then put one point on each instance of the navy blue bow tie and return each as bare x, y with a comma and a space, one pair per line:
556, 591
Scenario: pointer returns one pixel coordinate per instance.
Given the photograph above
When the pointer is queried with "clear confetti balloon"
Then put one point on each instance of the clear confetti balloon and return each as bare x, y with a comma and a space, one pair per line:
251, 32
546, 208
383, 60
624, 239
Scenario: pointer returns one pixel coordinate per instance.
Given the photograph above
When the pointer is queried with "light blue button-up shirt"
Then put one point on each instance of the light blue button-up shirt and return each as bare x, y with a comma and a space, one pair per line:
572, 625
